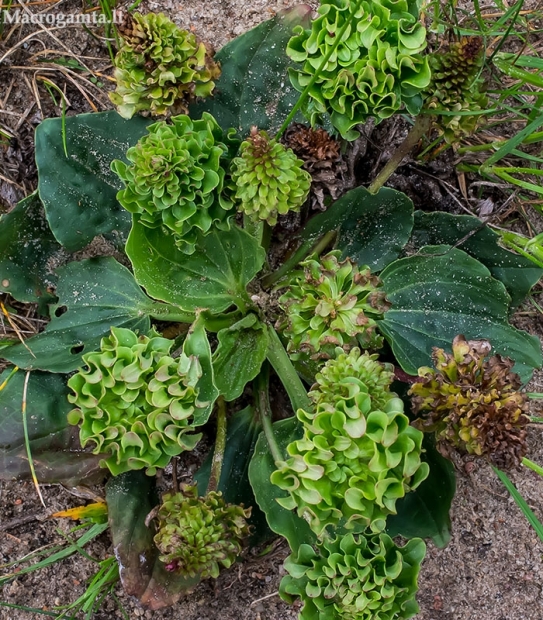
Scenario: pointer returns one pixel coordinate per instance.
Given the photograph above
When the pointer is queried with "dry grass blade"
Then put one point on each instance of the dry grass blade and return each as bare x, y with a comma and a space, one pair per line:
14, 327
27, 440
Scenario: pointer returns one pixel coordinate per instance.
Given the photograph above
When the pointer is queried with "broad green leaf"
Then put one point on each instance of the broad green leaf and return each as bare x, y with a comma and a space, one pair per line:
373, 228
242, 432
94, 294
54, 444
240, 355
27, 247
79, 191
468, 233
130, 498
212, 278
197, 344
254, 88
284, 522
442, 292
424, 512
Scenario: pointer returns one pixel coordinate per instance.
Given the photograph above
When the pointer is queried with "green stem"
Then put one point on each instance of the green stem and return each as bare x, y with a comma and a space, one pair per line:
278, 358
421, 126
166, 312
533, 466
220, 445
264, 411
534, 394
307, 248
328, 55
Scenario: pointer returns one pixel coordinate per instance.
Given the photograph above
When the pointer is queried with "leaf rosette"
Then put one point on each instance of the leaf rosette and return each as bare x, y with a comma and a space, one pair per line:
355, 577
160, 67
375, 70
176, 178
270, 179
358, 454
473, 403
332, 303
136, 403
197, 535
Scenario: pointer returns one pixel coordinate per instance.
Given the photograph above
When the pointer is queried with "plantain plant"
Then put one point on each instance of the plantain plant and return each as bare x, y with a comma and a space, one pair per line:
213, 309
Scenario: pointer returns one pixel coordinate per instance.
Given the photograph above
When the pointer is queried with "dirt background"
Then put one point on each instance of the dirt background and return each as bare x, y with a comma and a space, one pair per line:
493, 566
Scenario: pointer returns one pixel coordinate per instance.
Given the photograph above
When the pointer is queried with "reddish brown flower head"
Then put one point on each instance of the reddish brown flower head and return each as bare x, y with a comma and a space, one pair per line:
323, 160
473, 402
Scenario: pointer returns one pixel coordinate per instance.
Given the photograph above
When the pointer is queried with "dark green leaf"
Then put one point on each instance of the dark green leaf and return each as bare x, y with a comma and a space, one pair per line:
27, 246
240, 355
517, 273
373, 228
242, 433
54, 444
284, 522
214, 277
425, 511
197, 344
96, 294
254, 88
79, 191
130, 498
443, 292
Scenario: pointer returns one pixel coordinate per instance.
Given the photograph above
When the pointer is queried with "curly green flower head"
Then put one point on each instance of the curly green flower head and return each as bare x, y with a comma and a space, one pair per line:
176, 178
197, 535
376, 69
358, 454
354, 577
269, 177
332, 303
134, 402
160, 68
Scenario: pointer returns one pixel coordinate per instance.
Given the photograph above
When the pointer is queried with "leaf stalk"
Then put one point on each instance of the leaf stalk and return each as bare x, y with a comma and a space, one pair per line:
421, 126
280, 361
264, 412
220, 446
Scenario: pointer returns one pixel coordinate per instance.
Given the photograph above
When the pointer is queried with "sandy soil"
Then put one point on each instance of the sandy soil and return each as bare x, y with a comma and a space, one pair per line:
492, 568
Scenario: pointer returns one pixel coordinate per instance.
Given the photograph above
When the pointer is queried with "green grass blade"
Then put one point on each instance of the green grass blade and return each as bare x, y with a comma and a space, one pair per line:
521, 502
512, 143
30, 609
93, 532
533, 466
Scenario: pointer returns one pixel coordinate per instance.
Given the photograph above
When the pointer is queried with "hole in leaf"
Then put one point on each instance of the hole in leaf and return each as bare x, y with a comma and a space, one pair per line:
78, 348
60, 310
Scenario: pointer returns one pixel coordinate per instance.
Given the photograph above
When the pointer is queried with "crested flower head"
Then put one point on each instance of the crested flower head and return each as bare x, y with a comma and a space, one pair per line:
136, 403
358, 454
355, 577
198, 535
159, 68
473, 402
377, 68
270, 179
332, 303
456, 87
176, 178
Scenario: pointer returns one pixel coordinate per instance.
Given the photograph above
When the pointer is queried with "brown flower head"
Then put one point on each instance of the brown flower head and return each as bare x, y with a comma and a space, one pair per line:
473, 402
323, 160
